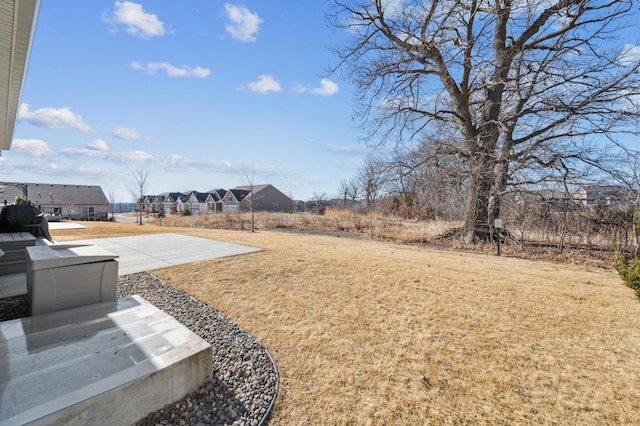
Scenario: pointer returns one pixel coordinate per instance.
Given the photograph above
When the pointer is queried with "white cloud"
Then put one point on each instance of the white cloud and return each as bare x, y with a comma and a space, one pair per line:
393, 8
630, 56
94, 172
122, 132
327, 88
33, 147
265, 84
180, 164
22, 168
273, 170
172, 71
346, 149
98, 145
299, 89
136, 21
53, 118
82, 153
46, 168
129, 156
244, 25
116, 156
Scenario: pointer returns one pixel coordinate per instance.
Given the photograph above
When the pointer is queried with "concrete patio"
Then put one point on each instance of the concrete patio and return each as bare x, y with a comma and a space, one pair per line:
144, 253
147, 252
110, 362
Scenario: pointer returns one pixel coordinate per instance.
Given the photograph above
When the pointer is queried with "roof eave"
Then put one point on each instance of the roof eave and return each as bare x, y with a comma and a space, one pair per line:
18, 20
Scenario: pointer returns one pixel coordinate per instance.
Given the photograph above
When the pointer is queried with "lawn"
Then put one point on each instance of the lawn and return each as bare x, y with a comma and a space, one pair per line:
370, 332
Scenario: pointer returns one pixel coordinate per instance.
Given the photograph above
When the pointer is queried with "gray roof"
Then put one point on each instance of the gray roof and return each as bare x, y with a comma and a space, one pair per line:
256, 188
239, 194
54, 194
218, 193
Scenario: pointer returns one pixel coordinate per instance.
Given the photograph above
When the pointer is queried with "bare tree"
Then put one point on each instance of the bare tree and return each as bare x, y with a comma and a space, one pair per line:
112, 202
353, 192
348, 192
371, 178
425, 182
137, 188
249, 182
343, 192
634, 197
630, 179
319, 202
522, 85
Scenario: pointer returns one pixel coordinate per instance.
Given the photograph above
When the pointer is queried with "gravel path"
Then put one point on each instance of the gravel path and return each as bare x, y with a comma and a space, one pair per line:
244, 383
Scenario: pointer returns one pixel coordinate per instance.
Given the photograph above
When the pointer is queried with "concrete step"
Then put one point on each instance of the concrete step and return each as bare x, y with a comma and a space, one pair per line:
13, 285
8, 266
108, 363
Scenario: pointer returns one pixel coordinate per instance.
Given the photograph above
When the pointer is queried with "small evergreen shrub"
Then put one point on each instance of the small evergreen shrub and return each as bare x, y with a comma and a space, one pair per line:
629, 270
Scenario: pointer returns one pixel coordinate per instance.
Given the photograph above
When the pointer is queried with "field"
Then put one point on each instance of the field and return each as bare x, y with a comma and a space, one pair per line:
371, 332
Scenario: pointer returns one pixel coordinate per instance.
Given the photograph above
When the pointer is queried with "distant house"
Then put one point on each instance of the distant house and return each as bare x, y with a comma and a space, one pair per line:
555, 197
264, 198
190, 202
232, 200
179, 202
215, 203
549, 197
157, 203
146, 202
609, 195
196, 202
172, 203
76, 202
199, 202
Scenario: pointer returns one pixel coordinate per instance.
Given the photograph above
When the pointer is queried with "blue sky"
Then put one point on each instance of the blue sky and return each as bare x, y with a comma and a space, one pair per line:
198, 92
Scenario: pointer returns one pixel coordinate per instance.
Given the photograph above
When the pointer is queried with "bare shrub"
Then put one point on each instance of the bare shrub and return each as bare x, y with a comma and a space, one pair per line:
275, 221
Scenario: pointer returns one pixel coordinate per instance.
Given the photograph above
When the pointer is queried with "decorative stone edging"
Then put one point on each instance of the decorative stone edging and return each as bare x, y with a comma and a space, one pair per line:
245, 381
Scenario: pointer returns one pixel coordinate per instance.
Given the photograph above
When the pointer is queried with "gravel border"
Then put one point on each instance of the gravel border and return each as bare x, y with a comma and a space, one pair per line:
245, 381
14, 307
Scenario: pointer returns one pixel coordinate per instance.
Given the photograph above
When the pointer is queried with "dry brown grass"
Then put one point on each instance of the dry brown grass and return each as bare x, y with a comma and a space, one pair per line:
371, 333
371, 226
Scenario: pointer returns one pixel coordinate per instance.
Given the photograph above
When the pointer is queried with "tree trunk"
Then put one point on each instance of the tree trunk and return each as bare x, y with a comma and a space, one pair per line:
495, 199
636, 233
476, 223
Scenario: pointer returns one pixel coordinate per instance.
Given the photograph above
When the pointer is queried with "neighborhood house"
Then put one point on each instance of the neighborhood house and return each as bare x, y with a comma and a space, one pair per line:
75, 202
239, 199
